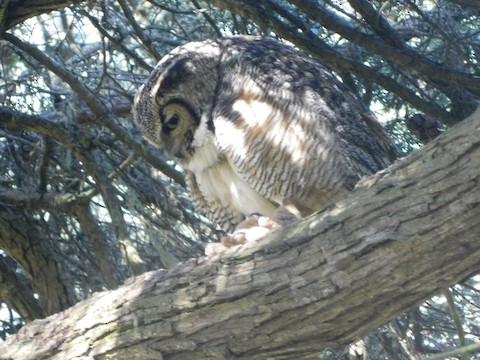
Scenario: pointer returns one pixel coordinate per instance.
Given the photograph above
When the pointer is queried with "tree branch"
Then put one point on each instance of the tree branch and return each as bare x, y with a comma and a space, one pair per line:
17, 120
30, 198
403, 235
405, 57
377, 22
473, 5
102, 249
102, 112
328, 55
25, 242
21, 10
324, 53
16, 291
146, 41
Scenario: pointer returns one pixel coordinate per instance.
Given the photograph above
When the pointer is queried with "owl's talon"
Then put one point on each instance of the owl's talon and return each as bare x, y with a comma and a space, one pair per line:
236, 238
249, 222
214, 249
267, 222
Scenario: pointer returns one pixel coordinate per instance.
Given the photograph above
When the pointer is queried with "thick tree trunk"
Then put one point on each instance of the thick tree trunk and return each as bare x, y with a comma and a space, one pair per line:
403, 235
32, 250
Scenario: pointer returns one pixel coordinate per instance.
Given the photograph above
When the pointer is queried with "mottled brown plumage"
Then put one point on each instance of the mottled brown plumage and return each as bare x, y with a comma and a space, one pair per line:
257, 125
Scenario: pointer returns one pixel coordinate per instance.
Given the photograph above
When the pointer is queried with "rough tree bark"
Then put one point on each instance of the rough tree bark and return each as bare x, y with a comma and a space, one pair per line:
403, 235
13, 12
27, 244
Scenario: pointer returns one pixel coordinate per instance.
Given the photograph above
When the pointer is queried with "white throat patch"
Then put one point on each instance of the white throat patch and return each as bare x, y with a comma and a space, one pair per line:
205, 153
202, 134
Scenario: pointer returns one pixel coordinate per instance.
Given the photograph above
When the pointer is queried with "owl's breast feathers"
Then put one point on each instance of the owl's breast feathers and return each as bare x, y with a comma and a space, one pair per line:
221, 186
266, 125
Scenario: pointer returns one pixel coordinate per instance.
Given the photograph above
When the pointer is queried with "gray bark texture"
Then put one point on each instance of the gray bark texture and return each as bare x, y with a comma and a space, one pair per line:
403, 235
13, 12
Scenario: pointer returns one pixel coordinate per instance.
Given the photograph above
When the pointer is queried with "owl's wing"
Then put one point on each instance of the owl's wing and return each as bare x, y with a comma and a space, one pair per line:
296, 132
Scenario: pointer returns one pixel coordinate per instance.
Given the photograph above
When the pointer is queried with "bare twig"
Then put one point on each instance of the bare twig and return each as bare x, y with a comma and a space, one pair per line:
464, 350
98, 107
456, 320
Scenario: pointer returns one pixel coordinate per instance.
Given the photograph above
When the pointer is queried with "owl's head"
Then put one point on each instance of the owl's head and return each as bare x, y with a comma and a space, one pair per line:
173, 108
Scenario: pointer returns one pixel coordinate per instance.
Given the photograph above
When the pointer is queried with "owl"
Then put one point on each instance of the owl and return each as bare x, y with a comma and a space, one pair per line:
264, 132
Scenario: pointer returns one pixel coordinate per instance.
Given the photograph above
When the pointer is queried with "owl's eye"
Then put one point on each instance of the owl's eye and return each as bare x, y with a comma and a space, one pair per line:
172, 123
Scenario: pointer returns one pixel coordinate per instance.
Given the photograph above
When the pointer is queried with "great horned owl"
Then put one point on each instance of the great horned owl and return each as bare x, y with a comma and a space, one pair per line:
258, 125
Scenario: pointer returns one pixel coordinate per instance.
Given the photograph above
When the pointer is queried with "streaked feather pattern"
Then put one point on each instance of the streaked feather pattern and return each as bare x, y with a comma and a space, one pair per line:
262, 124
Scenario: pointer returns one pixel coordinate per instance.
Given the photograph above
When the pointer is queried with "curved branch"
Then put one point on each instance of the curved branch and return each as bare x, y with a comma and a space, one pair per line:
328, 55
16, 291
309, 42
319, 283
473, 5
405, 57
377, 22
97, 106
101, 247
17, 120
118, 43
30, 198
146, 41
24, 241
21, 10
64, 201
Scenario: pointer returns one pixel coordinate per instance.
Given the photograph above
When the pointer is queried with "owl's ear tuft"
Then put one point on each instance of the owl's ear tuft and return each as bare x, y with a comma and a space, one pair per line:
174, 75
